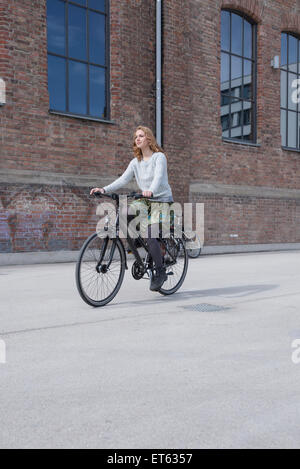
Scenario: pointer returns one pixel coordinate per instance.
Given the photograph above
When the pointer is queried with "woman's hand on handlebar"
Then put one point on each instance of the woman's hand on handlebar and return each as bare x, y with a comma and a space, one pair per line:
97, 189
147, 194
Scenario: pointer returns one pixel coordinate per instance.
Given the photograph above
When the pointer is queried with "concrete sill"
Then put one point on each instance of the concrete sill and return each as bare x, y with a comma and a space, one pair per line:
291, 149
78, 116
250, 144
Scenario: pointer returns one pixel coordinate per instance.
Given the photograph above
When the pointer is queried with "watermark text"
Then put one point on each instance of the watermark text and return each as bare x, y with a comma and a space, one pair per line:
2, 352
296, 352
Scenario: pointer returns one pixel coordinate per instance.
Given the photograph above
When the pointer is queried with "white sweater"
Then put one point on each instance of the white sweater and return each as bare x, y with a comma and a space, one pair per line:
151, 175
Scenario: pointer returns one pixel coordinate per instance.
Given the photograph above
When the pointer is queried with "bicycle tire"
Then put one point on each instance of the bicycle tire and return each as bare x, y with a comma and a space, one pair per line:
164, 290
80, 275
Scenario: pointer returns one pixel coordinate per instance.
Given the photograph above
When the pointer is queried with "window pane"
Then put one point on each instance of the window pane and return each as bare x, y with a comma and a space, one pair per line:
57, 83
236, 132
97, 38
292, 91
296, 92
299, 56
97, 92
97, 4
247, 91
236, 34
77, 32
56, 26
225, 122
283, 88
224, 113
248, 79
236, 71
236, 119
81, 2
293, 43
225, 98
224, 71
247, 39
283, 128
236, 92
77, 88
236, 111
247, 71
292, 129
247, 120
225, 30
247, 117
283, 50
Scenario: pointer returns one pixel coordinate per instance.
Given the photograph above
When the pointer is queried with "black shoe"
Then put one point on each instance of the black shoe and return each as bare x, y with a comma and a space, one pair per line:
158, 279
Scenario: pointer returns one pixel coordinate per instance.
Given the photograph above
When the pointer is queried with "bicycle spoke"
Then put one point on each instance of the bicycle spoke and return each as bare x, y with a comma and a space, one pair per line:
176, 270
98, 284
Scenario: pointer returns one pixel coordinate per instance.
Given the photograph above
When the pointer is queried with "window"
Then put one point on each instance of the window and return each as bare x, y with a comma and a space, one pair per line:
78, 59
289, 93
238, 77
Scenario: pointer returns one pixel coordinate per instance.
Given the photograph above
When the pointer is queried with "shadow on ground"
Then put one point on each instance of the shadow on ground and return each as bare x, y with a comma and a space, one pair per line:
229, 292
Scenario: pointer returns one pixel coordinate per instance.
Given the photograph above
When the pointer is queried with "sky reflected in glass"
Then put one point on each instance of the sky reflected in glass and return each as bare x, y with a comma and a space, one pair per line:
97, 91
57, 82
77, 33
56, 27
97, 38
77, 87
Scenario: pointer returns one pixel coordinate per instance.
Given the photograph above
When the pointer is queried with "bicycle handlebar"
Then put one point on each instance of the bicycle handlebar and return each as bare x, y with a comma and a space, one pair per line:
116, 196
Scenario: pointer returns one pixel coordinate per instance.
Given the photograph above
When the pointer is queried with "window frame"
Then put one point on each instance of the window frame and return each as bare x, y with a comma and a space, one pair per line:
67, 57
287, 109
253, 60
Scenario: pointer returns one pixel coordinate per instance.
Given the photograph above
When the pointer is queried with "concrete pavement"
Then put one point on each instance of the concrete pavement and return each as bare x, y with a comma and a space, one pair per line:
209, 367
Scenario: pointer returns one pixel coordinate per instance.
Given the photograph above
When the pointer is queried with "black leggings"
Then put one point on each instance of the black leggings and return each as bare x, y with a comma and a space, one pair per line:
154, 246
152, 243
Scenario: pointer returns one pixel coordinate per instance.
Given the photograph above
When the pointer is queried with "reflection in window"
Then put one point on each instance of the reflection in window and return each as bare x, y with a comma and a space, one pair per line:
57, 82
77, 32
77, 58
77, 87
290, 91
238, 65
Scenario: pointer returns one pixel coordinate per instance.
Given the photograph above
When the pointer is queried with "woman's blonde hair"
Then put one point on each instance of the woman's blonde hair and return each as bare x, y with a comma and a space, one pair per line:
151, 141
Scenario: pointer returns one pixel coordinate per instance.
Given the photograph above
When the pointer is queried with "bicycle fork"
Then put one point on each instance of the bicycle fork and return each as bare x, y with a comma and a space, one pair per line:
104, 268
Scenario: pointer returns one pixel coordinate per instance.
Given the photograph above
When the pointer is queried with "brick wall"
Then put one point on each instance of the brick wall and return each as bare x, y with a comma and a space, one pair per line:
236, 220
36, 145
39, 217
254, 219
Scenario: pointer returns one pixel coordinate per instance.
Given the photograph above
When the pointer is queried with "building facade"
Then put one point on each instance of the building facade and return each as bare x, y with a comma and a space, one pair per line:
80, 76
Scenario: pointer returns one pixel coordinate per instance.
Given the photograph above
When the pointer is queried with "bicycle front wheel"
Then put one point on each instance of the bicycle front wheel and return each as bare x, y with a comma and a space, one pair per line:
99, 282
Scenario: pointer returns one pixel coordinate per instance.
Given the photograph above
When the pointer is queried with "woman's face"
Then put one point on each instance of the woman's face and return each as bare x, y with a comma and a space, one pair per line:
141, 140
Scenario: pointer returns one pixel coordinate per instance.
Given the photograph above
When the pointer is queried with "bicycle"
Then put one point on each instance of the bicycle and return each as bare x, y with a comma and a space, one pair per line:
102, 262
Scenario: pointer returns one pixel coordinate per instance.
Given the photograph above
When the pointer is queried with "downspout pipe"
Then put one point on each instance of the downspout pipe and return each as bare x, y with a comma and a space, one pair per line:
158, 73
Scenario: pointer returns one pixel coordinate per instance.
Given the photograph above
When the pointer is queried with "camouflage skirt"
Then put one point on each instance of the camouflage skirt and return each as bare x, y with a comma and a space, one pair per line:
150, 213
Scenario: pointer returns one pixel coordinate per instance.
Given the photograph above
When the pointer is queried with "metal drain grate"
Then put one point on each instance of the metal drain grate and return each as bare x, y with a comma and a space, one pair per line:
205, 308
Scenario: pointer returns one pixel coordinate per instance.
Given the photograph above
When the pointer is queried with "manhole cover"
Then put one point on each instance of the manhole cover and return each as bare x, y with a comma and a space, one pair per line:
205, 308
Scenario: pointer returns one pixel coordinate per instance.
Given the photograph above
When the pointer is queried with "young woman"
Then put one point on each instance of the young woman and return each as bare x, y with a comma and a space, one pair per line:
150, 170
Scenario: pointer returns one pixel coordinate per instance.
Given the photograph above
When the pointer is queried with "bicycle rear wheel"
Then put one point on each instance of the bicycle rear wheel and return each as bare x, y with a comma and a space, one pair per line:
97, 283
176, 272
